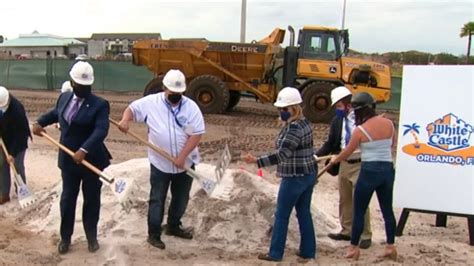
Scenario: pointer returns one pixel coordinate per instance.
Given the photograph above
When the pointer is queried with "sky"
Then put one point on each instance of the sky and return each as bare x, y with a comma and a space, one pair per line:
374, 25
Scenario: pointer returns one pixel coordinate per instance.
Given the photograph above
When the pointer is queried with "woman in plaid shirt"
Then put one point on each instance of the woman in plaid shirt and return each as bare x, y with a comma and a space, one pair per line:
297, 168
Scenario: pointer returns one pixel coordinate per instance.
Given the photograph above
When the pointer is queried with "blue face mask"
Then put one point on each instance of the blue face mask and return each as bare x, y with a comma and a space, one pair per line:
340, 113
285, 115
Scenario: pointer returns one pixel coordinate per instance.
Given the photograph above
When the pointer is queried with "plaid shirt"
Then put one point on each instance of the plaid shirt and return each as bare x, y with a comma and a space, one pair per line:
294, 154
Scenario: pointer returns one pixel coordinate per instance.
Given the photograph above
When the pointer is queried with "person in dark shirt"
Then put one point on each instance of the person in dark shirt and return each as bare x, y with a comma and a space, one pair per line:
15, 131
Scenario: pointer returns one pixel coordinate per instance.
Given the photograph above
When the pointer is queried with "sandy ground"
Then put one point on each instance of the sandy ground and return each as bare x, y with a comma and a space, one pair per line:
229, 227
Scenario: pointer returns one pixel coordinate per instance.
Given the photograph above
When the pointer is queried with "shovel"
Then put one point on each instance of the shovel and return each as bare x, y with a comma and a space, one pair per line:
25, 196
207, 184
222, 164
122, 189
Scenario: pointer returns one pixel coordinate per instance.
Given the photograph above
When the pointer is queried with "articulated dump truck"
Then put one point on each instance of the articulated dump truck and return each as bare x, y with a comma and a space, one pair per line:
218, 72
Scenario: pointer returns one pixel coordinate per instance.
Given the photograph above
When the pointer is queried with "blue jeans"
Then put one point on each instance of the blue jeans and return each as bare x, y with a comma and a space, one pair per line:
180, 187
378, 177
294, 192
5, 178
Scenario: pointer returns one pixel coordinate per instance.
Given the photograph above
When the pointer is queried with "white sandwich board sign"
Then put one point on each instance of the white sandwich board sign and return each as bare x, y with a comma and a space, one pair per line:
435, 152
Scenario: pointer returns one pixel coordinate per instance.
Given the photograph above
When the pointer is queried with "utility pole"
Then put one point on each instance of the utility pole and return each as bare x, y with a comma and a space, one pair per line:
243, 19
343, 15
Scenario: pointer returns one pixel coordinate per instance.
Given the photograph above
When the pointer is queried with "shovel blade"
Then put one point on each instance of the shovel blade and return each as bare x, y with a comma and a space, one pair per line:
207, 184
125, 192
25, 197
223, 163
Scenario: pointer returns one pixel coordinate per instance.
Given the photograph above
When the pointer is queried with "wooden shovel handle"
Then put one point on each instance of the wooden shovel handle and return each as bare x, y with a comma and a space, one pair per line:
318, 159
324, 170
84, 162
147, 143
4, 148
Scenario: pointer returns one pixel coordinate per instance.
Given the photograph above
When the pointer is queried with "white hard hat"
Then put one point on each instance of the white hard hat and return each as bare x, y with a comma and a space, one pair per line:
175, 81
81, 57
338, 93
288, 96
82, 73
66, 86
4, 97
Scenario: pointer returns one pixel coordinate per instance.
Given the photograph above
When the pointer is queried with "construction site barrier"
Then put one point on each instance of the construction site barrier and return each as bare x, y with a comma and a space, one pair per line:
121, 76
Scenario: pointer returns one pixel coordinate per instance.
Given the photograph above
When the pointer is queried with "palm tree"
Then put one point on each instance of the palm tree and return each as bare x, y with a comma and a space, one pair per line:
413, 129
467, 30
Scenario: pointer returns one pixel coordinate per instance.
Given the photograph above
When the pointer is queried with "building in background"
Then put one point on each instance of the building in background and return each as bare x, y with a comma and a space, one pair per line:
115, 44
38, 45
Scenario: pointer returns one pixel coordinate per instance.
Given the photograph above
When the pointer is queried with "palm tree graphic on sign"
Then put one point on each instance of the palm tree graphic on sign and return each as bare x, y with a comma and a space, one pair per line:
413, 129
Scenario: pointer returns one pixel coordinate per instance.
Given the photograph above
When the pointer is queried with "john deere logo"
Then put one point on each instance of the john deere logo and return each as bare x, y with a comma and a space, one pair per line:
447, 141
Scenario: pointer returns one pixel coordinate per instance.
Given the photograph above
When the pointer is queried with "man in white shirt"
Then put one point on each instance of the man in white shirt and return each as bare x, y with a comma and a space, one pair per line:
176, 125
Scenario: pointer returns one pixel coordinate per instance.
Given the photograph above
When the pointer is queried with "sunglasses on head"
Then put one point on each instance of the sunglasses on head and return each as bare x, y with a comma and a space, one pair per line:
285, 109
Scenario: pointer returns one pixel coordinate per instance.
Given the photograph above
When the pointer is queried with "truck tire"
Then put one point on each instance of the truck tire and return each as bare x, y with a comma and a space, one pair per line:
154, 86
210, 94
317, 102
233, 100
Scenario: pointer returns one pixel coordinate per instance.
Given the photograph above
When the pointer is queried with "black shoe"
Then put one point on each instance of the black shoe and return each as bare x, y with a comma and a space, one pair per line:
179, 232
265, 256
156, 242
365, 243
63, 247
302, 257
339, 237
93, 246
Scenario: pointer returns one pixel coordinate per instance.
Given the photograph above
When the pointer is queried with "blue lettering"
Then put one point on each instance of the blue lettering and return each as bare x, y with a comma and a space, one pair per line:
470, 161
447, 159
433, 139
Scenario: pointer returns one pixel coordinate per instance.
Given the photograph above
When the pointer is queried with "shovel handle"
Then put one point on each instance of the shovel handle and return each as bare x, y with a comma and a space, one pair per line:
318, 159
83, 162
150, 145
4, 148
325, 169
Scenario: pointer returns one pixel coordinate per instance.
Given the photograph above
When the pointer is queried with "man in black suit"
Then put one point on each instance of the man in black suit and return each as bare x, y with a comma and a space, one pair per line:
84, 121
348, 171
15, 131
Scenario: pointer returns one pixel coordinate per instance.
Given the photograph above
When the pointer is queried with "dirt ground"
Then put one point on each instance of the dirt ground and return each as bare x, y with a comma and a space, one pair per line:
250, 127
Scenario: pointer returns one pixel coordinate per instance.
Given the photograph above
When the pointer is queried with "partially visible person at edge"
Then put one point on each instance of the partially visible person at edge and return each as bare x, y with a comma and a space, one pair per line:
375, 135
84, 120
175, 124
347, 170
297, 168
14, 131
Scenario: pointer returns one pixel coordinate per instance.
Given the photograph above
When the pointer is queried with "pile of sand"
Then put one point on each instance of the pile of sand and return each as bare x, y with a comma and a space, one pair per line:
235, 218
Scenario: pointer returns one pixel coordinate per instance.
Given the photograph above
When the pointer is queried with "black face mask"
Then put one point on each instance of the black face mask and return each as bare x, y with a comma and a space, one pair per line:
174, 98
82, 92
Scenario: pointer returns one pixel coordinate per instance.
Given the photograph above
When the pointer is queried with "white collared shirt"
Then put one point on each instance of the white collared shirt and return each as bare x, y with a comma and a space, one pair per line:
169, 127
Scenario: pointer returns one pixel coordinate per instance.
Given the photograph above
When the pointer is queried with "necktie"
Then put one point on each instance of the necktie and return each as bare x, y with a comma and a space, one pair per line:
73, 111
348, 131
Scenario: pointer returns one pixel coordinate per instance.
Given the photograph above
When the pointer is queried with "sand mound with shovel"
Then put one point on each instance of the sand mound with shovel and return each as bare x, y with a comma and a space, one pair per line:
236, 224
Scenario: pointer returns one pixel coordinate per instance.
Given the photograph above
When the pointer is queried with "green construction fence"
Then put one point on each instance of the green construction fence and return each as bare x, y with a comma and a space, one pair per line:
123, 76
